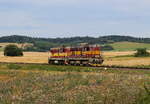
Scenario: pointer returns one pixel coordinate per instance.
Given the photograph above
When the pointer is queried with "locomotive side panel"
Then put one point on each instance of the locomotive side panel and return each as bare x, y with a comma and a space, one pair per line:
80, 55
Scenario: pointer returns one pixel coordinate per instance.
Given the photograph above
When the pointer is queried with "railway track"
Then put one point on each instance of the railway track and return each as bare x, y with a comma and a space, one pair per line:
102, 66
125, 68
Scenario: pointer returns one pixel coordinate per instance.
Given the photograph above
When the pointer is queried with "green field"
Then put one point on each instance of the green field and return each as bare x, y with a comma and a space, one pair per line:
129, 46
43, 84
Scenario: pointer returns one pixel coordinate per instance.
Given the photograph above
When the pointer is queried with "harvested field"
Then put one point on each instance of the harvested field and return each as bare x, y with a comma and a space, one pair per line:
29, 57
111, 58
128, 61
125, 59
38, 84
113, 54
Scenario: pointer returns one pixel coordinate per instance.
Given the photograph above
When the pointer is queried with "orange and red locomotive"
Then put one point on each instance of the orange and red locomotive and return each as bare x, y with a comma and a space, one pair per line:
83, 54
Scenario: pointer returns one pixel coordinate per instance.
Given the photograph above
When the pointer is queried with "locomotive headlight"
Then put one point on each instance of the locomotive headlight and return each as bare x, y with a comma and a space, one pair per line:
56, 62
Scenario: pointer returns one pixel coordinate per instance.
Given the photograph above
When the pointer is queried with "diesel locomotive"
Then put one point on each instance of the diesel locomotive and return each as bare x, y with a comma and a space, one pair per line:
83, 54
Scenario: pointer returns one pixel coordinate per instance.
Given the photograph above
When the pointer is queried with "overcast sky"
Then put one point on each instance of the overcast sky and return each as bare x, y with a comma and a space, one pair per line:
68, 18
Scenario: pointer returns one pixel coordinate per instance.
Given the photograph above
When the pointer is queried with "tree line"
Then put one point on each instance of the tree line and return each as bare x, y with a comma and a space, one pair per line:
44, 44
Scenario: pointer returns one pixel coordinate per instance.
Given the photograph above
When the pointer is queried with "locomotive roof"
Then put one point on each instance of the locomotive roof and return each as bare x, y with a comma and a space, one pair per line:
78, 46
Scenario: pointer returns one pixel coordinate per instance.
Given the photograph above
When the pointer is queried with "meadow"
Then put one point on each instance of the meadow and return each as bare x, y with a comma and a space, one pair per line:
45, 84
129, 46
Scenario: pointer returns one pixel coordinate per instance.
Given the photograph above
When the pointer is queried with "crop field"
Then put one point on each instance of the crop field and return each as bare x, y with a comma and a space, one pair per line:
128, 61
125, 59
29, 57
111, 58
44, 84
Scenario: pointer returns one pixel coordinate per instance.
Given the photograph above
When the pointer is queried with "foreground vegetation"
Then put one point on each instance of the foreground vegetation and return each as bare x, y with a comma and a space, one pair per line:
44, 84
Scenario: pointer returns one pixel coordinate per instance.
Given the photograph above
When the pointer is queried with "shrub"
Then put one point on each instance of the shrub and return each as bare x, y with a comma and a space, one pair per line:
12, 50
142, 52
107, 48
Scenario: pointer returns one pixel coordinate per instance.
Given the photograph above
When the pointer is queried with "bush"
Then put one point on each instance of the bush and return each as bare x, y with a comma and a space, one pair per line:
107, 48
12, 50
142, 52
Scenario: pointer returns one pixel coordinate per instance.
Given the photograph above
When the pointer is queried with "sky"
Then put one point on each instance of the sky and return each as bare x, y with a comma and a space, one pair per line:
69, 18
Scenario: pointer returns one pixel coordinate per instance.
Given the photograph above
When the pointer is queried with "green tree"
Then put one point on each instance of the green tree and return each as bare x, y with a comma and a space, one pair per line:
12, 50
107, 48
142, 52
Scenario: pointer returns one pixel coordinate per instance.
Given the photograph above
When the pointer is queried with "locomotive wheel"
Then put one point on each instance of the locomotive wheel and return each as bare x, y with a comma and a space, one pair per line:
77, 63
85, 63
61, 62
71, 62
50, 62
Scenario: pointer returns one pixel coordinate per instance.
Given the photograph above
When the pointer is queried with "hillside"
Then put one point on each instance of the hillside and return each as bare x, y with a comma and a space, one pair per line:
129, 46
44, 44
74, 40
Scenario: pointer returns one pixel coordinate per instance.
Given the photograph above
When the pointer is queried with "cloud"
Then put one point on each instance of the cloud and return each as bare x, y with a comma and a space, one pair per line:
120, 2
74, 17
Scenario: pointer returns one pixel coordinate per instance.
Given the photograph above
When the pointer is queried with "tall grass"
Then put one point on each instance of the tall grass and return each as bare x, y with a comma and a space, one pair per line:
29, 84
